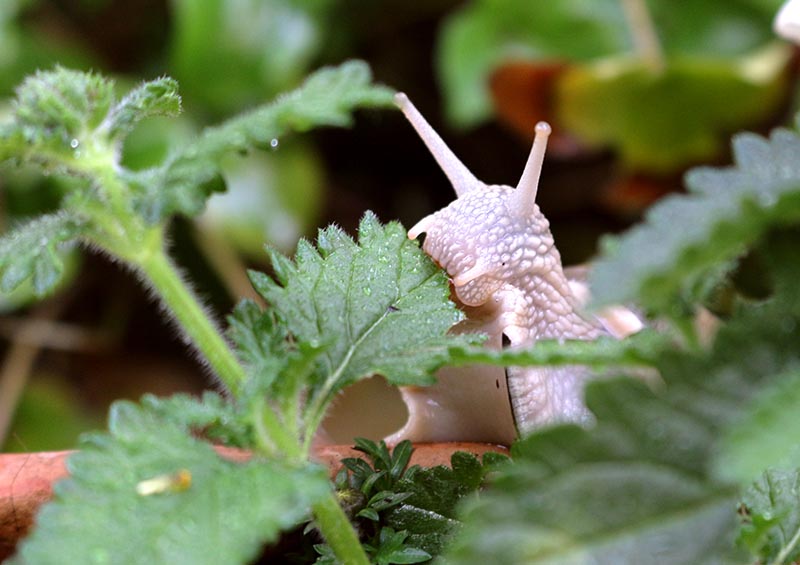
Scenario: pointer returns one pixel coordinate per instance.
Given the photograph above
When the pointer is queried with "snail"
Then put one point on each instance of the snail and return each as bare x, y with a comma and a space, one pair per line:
506, 274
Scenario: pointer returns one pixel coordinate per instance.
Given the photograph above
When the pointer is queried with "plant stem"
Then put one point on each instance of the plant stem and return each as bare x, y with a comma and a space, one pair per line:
787, 550
271, 434
338, 531
643, 33
193, 320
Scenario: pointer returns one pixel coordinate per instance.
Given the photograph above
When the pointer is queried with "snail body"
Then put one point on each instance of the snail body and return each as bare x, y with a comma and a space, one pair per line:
496, 245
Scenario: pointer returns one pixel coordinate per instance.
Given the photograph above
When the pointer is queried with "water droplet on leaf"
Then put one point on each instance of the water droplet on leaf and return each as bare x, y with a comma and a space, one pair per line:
274, 143
74, 143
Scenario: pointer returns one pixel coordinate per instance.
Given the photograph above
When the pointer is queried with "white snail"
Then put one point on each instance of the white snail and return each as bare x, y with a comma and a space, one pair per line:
496, 246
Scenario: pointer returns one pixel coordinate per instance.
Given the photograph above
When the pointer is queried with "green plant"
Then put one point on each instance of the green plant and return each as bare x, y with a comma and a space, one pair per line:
69, 123
660, 473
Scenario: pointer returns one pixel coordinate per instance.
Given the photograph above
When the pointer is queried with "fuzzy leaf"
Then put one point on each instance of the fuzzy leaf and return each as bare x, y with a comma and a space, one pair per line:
772, 517
54, 112
326, 98
658, 263
643, 479
640, 349
211, 415
32, 251
153, 98
150, 493
378, 306
260, 341
62, 104
767, 434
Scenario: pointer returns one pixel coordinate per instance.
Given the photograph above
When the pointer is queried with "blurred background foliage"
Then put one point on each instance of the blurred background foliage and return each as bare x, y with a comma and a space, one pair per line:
635, 96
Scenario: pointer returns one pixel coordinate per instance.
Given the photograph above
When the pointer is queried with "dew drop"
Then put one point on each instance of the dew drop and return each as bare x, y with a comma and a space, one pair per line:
74, 143
274, 143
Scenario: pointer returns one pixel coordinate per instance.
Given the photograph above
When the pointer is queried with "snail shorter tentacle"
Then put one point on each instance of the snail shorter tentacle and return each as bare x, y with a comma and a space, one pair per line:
525, 194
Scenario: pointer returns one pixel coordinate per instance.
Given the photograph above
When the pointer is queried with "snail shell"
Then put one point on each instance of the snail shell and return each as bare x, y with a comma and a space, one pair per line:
506, 273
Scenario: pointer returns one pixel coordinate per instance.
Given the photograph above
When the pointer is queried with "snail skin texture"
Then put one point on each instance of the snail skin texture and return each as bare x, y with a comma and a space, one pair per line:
506, 273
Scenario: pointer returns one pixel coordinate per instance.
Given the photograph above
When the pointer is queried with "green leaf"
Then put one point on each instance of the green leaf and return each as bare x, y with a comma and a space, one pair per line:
62, 104
767, 434
273, 44
640, 349
378, 307
642, 480
153, 98
631, 486
772, 516
31, 251
326, 98
213, 416
686, 238
428, 514
681, 115
483, 34
392, 549
150, 493
603, 512
260, 340
54, 113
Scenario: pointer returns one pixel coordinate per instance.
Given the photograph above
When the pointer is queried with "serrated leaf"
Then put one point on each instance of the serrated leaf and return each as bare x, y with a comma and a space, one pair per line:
378, 307
211, 415
327, 98
766, 434
428, 513
152, 98
260, 341
645, 512
686, 238
124, 503
640, 349
61, 104
627, 489
772, 518
642, 480
32, 251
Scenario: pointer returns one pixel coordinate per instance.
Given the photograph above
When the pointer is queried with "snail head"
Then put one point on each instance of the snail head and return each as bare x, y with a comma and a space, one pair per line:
491, 234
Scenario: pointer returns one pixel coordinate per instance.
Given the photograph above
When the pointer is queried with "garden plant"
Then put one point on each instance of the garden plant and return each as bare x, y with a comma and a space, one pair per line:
697, 463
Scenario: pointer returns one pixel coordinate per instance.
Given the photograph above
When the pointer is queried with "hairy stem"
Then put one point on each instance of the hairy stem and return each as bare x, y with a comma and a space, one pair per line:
193, 320
272, 434
338, 531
